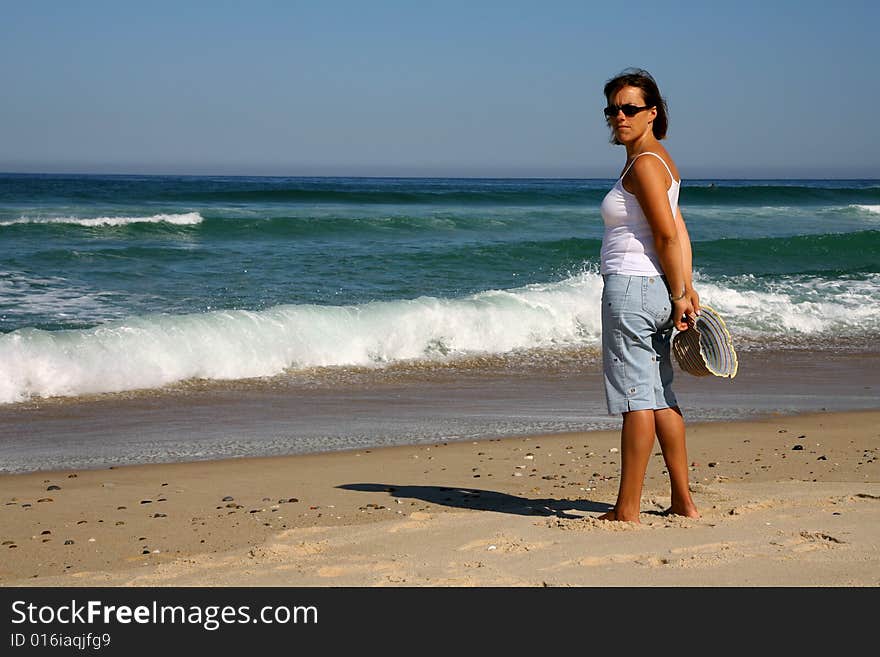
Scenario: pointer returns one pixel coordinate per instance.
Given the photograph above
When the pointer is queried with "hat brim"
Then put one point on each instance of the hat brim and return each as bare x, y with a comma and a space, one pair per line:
706, 348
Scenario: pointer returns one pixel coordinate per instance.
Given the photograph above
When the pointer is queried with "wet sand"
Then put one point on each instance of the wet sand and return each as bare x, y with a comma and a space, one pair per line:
363, 409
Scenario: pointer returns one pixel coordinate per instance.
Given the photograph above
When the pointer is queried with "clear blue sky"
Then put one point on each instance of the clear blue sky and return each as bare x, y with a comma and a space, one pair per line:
474, 88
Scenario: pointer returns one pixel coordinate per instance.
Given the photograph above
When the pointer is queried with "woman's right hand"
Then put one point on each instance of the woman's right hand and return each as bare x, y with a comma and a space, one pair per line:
682, 309
691, 293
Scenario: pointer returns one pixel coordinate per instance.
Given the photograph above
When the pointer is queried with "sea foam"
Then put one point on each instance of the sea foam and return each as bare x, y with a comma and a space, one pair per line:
185, 219
152, 351
795, 306
157, 350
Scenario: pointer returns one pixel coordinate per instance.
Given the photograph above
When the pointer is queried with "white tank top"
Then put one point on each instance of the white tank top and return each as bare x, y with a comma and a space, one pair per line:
628, 243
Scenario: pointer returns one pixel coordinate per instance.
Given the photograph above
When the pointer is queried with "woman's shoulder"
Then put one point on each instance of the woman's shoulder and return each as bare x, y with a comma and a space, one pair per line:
654, 164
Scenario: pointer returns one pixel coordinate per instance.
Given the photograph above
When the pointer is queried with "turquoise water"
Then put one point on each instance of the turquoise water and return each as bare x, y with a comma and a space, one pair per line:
111, 283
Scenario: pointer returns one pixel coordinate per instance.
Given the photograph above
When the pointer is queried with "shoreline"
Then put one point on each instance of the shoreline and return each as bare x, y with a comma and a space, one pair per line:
362, 410
515, 511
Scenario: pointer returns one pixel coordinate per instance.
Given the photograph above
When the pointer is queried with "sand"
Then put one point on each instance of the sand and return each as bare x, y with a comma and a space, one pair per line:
785, 501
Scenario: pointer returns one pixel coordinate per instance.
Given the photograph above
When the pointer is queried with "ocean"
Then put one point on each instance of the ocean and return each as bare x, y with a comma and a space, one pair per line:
157, 285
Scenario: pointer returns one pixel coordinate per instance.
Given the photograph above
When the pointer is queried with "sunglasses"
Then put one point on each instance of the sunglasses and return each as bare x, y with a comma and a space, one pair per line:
628, 110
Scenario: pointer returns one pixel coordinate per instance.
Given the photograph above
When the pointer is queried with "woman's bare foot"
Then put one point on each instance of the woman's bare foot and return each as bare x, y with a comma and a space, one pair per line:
612, 515
686, 510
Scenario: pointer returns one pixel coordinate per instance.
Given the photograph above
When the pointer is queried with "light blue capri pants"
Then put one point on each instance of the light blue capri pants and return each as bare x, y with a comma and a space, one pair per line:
636, 330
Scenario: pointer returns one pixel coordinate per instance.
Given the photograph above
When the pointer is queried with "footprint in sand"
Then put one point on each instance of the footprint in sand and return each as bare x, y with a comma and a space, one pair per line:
806, 541
694, 556
704, 548
820, 537
284, 551
612, 559
415, 521
752, 506
504, 544
589, 524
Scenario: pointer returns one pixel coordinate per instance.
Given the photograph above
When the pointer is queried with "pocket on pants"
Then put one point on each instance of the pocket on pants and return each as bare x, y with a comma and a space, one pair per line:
655, 298
615, 294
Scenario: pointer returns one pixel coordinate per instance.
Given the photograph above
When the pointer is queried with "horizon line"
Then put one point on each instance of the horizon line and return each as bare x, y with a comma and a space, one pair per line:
404, 177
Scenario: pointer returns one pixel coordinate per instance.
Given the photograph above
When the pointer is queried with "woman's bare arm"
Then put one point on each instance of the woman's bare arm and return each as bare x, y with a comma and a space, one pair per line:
687, 260
650, 182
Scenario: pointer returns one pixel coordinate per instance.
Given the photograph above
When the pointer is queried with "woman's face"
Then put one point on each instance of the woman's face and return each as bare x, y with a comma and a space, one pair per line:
630, 128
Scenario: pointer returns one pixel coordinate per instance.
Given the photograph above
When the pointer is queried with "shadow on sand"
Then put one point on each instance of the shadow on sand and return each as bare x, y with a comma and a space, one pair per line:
485, 500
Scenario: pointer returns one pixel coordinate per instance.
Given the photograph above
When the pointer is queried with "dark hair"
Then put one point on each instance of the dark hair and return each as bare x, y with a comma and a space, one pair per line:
641, 79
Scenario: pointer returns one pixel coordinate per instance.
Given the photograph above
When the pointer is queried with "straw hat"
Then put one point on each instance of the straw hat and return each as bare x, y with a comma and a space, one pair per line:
706, 347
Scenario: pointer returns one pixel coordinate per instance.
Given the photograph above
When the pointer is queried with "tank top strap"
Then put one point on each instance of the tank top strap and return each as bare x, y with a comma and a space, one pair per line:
625, 171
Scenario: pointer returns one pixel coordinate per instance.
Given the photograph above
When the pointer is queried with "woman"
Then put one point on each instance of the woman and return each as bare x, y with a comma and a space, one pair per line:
646, 267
